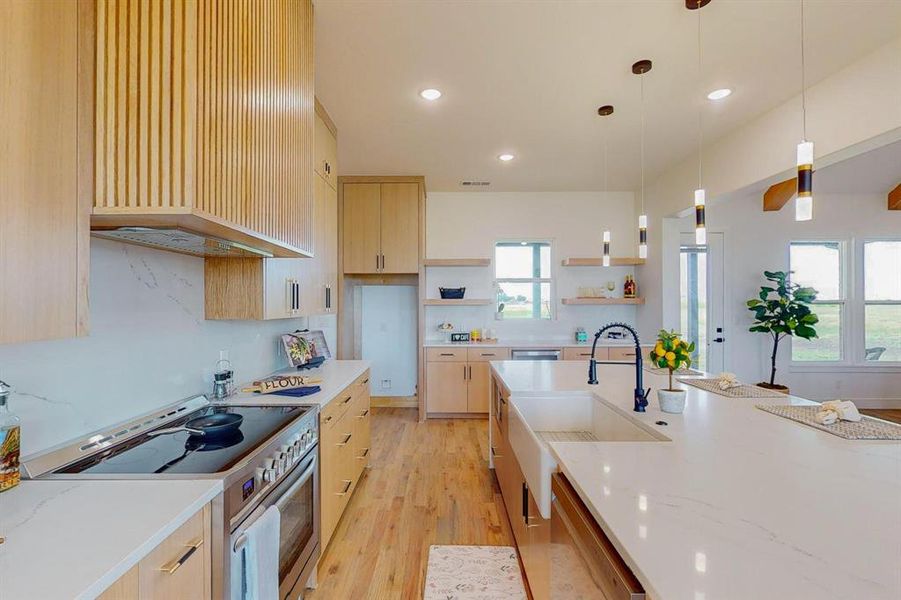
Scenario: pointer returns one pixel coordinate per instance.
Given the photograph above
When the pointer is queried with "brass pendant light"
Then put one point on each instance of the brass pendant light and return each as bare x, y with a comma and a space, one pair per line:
606, 111
804, 201
700, 193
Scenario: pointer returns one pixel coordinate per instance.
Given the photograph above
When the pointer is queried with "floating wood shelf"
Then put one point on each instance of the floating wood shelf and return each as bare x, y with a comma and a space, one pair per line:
463, 302
597, 262
602, 301
457, 262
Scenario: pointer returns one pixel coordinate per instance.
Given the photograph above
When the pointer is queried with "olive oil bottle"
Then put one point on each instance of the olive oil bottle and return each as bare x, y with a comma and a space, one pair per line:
9, 442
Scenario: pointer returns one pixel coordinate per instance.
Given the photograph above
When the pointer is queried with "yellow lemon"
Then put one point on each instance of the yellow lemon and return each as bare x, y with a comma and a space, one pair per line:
670, 356
658, 349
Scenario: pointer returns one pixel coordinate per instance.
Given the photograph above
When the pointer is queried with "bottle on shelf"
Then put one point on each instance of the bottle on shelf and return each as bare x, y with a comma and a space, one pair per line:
629, 290
9, 442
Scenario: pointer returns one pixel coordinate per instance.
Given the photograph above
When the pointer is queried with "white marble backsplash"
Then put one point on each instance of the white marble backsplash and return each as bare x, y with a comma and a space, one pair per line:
149, 345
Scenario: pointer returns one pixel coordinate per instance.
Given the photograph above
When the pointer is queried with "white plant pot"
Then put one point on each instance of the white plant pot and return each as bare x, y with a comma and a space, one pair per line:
671, 401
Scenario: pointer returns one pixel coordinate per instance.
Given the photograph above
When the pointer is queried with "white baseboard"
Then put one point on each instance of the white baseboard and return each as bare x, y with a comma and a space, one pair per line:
877, 402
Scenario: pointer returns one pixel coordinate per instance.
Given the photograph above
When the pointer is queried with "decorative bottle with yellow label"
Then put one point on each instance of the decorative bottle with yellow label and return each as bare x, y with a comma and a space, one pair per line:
9, 443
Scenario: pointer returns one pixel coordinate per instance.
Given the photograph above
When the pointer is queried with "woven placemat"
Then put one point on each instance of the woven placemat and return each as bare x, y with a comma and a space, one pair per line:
867, 428
742, 391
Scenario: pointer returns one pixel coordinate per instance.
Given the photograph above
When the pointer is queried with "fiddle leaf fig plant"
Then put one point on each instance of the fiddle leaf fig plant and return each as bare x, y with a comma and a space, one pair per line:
782, 309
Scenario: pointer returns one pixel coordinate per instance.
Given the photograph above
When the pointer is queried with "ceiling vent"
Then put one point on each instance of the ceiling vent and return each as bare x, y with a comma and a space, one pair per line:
474, 184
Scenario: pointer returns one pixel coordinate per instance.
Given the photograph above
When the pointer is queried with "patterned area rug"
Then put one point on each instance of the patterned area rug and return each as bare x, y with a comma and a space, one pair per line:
473, 573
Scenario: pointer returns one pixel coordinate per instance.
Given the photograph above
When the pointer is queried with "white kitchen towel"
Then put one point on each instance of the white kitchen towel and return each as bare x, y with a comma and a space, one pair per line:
254, 568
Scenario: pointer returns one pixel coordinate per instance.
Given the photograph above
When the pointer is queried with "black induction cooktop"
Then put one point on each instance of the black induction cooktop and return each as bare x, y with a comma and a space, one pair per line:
183, 453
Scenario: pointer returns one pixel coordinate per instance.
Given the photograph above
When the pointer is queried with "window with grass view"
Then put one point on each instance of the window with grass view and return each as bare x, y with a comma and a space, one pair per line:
882, 300
523, 278
819, 265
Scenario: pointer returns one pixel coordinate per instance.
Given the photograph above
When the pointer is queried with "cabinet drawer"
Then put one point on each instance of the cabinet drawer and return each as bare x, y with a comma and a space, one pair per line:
584, 353
487, 354
626, 353
332, 412
446, 355
175, 569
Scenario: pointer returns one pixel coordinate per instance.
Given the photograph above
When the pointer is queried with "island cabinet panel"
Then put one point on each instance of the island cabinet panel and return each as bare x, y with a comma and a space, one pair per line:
591, 559
344, 438
46, 183
204, 118
180, 567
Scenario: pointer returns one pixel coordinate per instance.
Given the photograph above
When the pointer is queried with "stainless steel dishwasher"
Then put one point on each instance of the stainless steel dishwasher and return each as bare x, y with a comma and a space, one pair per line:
535, 353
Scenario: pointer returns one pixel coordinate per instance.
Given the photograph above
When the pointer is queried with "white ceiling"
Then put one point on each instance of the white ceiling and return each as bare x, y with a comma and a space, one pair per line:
527, 77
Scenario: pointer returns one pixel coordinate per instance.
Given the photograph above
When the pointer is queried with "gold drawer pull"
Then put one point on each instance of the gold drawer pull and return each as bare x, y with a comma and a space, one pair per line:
328, 418
365, 454
346, 440
346, 400
173, 566
488, 354
363, 414
346, 487
447, 354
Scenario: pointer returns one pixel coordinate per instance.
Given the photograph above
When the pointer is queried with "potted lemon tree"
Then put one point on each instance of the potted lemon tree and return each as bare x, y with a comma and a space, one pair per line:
672, 353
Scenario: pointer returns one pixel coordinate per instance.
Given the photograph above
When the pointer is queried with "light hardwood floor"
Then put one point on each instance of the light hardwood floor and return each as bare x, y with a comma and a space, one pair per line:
887, 414
428, 483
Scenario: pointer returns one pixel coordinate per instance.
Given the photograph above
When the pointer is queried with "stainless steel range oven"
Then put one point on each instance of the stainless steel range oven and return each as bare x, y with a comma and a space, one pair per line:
271, 458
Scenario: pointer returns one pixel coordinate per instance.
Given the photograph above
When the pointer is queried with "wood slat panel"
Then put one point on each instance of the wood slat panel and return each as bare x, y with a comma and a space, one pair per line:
208, 105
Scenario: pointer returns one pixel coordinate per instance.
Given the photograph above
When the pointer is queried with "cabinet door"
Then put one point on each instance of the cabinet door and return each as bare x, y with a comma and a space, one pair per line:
326, 152
400, 227
43, 229
328, 235
478, 387
446, 387
361, 227
177, 568
334, 491
537, 559
285, 280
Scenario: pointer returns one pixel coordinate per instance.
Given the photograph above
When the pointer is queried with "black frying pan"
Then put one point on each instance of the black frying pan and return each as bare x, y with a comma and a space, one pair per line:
209, 426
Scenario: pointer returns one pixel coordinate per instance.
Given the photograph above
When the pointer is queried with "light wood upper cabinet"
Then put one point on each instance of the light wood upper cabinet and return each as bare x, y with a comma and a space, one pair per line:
45, 168
380, 228
361, 229
326, 164
204, 119
400, 227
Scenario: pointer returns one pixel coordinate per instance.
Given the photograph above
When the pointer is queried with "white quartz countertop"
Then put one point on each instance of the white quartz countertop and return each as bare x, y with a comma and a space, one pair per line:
741, 503
73, 539
335, 374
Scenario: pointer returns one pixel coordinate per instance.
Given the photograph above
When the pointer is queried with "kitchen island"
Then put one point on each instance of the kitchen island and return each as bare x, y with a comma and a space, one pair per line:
739, 503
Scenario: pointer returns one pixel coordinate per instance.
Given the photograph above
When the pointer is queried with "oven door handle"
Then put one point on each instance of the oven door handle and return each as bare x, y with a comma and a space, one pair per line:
304, 478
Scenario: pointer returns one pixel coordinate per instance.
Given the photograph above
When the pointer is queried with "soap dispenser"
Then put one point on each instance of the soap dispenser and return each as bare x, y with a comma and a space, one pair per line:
9, 442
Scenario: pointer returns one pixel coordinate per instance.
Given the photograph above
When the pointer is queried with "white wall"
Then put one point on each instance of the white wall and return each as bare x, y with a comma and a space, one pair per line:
149, 345
388, 330
467, 225
849, 112
756, 241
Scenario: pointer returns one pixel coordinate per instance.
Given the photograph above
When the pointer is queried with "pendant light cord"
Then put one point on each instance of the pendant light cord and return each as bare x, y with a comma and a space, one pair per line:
641, 77
803, 80
606, 133
700, 106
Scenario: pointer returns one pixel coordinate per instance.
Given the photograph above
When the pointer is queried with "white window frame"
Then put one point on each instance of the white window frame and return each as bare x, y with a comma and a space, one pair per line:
861, 293
550, 280
853, 315
844, 276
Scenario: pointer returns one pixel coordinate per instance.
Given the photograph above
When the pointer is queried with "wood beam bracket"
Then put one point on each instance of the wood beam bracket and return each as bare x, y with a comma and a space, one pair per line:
779, 194
894, 198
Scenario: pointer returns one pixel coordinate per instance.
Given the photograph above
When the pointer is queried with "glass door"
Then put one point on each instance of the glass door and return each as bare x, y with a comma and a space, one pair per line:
701, 295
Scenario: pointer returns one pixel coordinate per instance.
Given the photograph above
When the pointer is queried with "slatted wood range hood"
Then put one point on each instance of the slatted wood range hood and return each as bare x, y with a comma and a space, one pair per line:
204, 126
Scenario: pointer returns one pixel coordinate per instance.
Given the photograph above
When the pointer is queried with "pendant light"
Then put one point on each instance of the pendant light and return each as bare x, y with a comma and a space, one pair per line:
700, 193
606, 111
640, 68
804, 201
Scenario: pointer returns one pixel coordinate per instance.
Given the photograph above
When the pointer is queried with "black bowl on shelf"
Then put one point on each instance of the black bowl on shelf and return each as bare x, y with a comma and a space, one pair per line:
452, 293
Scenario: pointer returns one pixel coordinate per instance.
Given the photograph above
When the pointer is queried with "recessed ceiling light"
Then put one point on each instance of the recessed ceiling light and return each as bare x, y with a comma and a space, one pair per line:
430, 94
719, 94
505, 157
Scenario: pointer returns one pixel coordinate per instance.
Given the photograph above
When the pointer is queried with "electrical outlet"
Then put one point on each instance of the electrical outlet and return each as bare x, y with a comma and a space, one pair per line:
386, 384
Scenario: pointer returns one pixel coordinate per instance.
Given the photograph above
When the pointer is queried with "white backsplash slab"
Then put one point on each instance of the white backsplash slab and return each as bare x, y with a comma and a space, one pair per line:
149, 345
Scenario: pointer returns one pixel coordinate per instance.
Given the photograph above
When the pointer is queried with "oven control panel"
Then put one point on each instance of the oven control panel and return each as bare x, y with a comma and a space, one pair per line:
280, 456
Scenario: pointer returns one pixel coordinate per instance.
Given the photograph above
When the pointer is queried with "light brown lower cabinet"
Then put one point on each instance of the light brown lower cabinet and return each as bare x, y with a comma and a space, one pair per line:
584, 563
458, 380
180, 567
344, 438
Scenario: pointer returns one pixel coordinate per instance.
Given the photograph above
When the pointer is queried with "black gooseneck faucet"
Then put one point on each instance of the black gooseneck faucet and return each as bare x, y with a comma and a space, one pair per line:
641, 395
